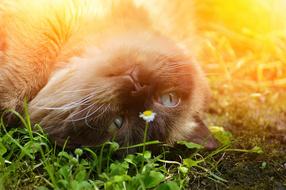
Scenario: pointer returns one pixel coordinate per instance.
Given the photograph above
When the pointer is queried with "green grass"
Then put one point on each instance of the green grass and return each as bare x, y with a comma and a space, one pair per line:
28, 160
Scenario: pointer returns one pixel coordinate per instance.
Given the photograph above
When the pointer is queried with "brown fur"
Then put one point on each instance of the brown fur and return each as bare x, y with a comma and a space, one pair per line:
72, 65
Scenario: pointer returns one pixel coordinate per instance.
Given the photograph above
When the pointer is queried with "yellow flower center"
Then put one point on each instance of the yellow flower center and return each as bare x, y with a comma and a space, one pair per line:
147, 113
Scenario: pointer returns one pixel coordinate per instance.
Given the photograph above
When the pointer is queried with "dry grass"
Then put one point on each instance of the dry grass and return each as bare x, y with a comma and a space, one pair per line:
244, 41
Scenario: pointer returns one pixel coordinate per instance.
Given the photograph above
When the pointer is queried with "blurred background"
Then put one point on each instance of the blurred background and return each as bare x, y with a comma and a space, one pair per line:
238, 40
244, 40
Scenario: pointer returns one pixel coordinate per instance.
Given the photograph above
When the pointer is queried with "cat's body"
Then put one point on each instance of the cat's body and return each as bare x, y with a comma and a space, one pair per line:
87, 77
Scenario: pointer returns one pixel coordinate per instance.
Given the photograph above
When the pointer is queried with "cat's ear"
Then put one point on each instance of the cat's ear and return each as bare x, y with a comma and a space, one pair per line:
200, 134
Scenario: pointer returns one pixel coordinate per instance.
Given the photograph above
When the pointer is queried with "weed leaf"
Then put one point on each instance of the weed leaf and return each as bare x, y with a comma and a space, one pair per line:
191, 145
168, 186
153, 179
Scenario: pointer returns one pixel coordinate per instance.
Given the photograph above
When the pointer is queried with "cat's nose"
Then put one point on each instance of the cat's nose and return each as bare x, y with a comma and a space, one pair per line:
134, 76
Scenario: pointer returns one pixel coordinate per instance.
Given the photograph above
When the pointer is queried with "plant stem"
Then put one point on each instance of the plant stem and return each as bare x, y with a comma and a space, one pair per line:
145, 136
144, 144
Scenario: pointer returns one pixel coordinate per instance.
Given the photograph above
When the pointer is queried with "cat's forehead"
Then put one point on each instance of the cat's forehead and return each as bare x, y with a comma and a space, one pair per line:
118, 53
118, 60
157, 61
146, 41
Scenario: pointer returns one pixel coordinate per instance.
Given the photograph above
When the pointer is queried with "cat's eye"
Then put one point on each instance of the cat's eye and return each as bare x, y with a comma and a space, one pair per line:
170, 99
116, 124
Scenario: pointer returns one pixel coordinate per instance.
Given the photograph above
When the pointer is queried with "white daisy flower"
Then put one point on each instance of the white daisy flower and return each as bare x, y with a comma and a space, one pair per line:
148, 116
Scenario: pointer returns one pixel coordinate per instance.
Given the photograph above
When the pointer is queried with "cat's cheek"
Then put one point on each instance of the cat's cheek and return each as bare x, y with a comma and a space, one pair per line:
72, 138
194, 131
201, 135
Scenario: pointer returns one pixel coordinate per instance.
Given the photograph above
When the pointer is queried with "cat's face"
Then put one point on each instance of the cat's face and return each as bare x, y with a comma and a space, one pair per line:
99, 96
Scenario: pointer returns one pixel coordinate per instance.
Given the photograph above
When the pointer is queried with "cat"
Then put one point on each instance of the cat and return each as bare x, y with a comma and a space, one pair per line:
88, 75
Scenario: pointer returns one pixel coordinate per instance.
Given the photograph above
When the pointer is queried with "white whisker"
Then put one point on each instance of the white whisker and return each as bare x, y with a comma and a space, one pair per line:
88, 108
81, 102
81, 90
81, 111
86, 118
